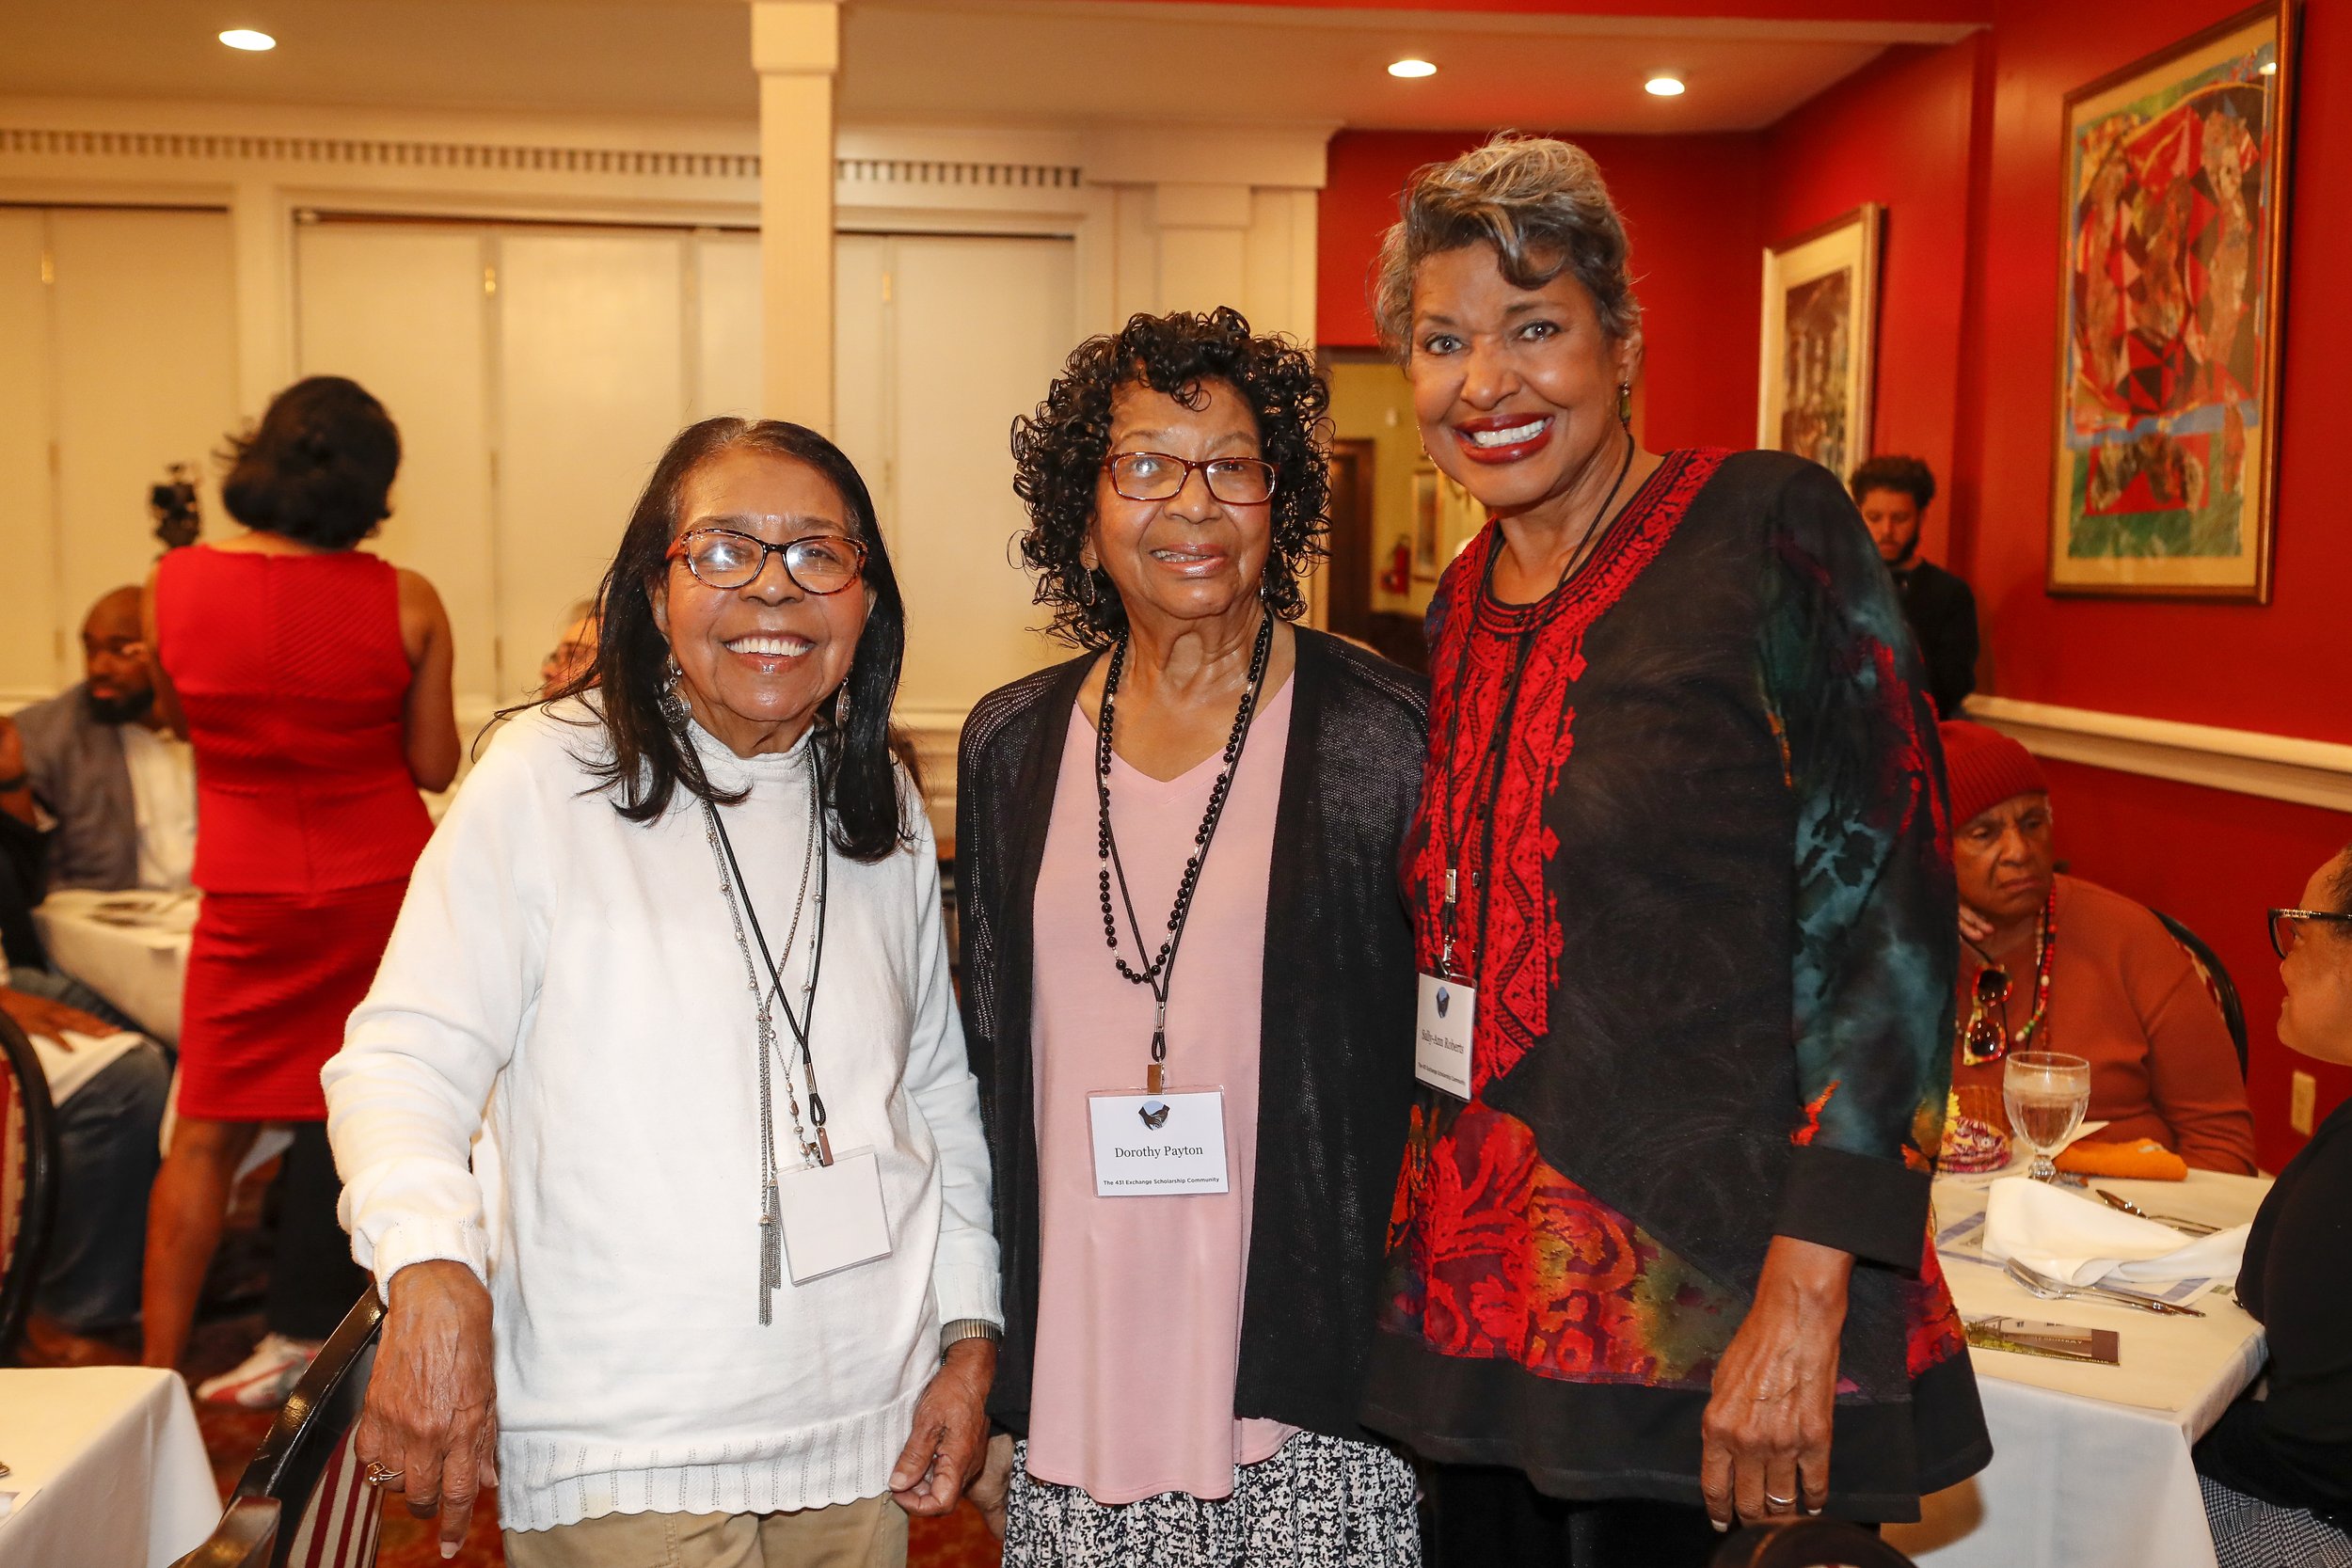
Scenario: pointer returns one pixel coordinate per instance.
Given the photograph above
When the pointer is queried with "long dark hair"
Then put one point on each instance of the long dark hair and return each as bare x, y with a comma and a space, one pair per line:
649, 761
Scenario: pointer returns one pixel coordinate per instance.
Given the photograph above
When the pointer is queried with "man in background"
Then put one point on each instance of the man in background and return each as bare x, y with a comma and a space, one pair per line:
1893, 494
96, 771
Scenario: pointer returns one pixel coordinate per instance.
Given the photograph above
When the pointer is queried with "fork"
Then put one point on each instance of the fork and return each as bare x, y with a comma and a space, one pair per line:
2124, 1205
2041, 1285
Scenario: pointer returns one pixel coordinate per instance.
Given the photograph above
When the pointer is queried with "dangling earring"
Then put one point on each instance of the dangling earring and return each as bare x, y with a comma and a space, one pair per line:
672, 703
1624, 404
1086, 592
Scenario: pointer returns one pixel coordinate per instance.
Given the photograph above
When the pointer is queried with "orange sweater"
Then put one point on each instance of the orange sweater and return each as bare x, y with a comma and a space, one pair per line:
2125, 996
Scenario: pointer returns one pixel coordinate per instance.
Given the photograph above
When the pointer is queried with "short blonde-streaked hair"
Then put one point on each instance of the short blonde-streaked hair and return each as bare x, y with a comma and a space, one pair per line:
1539, 201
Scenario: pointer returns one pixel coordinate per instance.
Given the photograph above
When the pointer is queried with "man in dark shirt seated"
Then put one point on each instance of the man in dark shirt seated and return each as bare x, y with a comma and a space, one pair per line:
1893, 494
2277, 1472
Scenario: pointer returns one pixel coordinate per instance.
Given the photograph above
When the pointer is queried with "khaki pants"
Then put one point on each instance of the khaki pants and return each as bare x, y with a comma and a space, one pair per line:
869, 1533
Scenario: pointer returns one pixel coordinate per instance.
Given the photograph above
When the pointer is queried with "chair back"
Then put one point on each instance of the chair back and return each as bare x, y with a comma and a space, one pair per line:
29, 1179
305, 1487
2217, 984
1809, 1544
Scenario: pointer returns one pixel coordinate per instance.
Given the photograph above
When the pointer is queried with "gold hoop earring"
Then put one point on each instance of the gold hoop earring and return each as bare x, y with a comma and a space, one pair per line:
1624, 404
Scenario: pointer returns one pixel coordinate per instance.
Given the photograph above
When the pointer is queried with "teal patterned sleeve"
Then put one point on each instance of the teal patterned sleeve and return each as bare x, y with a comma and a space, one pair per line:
1876, 911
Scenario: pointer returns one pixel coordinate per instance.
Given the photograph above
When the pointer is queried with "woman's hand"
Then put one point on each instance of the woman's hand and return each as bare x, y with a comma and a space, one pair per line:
989, 1493
1974, 927
1766, 1431
944, 1451
432, 1410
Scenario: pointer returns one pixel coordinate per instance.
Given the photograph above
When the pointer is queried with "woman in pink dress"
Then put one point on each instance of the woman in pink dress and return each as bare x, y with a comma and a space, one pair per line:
313, 679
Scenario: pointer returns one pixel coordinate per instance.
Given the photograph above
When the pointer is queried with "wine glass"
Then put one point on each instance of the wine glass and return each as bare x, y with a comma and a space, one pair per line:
2046, 1093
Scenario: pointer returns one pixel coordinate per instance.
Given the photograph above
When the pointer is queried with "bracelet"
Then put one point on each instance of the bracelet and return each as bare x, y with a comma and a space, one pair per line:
968, 1328
9, 786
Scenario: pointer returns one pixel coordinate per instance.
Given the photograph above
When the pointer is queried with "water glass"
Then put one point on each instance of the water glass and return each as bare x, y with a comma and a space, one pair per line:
2046, 1093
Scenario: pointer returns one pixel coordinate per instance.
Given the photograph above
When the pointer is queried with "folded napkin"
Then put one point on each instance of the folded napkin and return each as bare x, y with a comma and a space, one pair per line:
2143, 1160
2082, 1242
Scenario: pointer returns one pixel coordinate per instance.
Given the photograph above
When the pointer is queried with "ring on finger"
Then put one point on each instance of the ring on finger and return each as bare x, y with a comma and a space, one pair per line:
376, 1475
1771, 1501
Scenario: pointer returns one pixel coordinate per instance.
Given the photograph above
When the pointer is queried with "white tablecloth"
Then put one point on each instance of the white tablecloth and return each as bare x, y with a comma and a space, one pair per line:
131, 949
2091, 1463
106, 1469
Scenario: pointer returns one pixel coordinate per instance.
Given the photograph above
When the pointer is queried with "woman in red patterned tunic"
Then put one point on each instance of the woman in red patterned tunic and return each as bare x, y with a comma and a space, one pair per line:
314, 680
1660, 1259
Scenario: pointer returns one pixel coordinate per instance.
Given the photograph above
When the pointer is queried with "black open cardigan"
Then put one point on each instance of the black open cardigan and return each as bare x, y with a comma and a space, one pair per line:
1336, 1064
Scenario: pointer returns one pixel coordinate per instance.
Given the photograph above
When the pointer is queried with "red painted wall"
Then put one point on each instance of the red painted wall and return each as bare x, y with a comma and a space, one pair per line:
2218, 858
1692, 205
1897, 132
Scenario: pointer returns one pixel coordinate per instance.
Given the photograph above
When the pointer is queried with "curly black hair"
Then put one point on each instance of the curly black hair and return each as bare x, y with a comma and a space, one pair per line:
1057, 453
319, 467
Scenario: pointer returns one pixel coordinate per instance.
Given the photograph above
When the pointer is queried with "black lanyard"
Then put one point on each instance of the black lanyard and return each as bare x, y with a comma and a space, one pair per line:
1487, 776
797, 1022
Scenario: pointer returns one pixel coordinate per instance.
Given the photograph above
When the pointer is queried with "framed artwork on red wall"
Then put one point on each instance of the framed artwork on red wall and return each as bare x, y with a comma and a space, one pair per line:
1821, 341
2166, 453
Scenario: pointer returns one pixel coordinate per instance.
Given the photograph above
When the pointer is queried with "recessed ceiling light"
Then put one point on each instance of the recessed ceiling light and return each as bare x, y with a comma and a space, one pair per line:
248, 39
1662, 85
1412, 68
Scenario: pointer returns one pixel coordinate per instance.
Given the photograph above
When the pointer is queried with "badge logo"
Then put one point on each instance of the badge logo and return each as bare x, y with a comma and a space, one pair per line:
1155, 1114
1445, 1000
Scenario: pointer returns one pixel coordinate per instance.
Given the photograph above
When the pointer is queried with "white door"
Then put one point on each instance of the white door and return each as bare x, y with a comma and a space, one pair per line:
941, 340
404, 310
593, 385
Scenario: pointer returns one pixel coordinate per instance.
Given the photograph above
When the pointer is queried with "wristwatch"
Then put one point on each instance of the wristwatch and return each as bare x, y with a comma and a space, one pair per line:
968, 1328
11, 786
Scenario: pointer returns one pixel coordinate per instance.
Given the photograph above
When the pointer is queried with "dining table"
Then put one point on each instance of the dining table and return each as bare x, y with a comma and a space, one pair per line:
104, 1466
2090, 1462
130, 946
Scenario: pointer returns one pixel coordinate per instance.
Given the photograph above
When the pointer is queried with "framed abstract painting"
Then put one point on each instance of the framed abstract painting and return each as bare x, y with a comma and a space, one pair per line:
1821, 341
2166, 446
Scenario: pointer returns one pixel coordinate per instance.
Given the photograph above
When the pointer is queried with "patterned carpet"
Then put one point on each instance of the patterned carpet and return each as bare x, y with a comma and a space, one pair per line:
230, 1435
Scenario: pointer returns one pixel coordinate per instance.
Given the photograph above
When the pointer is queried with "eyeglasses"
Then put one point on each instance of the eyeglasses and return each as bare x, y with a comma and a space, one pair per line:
1987, 1037
2285, 926
816, 563
1155, 476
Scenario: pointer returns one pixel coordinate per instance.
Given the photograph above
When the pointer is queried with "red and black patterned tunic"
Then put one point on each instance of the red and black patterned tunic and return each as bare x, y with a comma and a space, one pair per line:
1696, 807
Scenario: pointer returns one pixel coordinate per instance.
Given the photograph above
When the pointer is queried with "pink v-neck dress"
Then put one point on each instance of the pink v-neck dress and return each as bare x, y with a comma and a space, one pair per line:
1139, 1329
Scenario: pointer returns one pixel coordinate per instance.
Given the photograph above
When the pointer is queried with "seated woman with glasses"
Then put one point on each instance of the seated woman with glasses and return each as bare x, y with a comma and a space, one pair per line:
1188, 978
2277, 1470
716, 1283
2050, 963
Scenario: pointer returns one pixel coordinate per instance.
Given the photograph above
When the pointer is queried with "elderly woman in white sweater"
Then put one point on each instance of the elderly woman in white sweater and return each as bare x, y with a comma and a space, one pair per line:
716, 1283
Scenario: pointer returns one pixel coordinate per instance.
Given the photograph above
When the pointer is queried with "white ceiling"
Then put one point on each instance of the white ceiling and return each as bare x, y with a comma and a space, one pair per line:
1022, 62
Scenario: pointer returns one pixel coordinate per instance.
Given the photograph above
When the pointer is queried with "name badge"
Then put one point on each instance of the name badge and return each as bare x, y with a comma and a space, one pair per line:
1158, 1145
1441, 1035
833, 1215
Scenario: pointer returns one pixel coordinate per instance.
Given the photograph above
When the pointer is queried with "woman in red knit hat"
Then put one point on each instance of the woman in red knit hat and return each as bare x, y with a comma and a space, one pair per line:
2050, 963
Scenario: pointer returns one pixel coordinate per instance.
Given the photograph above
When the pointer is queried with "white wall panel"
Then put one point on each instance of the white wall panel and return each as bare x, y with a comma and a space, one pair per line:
980, 325
593, 385
727, 325
145, 327
402, 309
32, 660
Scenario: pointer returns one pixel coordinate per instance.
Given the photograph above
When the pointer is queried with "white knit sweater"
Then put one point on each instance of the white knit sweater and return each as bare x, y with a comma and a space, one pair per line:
567, 983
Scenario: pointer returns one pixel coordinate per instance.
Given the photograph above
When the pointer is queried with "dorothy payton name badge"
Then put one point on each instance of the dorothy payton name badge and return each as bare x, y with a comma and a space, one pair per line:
1441, 1035
1158, 1145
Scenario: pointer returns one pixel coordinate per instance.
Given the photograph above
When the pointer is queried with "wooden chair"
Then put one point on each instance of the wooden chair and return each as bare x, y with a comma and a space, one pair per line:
1809, 1544
306, 1472
28, 1179
2217, 984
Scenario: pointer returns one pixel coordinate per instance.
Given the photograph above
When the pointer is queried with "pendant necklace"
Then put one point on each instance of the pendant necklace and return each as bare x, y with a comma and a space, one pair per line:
1155, 973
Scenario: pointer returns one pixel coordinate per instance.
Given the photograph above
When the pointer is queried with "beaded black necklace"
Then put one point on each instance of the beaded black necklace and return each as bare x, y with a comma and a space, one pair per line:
1155, 973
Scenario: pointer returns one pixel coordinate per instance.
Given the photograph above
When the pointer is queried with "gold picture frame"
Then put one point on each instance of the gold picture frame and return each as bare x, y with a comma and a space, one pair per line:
2165, 447
1819, 362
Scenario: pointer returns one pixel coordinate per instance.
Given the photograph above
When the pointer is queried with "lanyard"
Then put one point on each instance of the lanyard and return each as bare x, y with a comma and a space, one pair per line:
1487, 776
1159, 972
802, 1022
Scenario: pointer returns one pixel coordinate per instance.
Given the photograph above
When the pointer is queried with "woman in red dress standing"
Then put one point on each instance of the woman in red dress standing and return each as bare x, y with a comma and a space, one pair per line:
313, 679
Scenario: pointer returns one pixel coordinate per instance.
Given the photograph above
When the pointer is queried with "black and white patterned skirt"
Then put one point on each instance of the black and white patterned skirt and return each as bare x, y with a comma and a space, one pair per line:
2251, 1533
1316, 1502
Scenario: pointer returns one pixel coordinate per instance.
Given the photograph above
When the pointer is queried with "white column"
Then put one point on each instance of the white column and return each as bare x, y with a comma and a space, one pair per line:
796, 47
